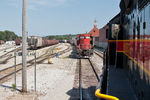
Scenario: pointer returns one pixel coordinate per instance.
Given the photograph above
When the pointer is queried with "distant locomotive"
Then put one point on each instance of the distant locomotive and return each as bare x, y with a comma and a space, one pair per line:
84, 45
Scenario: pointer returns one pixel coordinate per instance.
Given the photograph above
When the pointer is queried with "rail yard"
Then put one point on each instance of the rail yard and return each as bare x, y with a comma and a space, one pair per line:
58, 76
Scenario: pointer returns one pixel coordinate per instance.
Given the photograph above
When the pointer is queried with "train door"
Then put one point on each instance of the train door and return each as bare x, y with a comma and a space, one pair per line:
91, 41
77, 42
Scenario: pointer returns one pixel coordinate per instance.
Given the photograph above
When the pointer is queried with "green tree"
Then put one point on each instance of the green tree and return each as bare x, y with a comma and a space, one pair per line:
2, 36
7, 35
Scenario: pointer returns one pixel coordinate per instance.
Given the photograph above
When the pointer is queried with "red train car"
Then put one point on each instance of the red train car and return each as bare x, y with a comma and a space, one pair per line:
48, 42
17, 41
1, 42
84, 45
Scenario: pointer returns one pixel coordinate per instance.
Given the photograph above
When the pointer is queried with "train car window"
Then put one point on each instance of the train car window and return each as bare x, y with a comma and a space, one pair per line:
81, 37
107, 33
91, 42
87, 37
138, 29
134, 30
144, 25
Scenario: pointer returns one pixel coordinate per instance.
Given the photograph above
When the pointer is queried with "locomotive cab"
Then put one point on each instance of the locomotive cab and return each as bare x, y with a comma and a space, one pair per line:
84, 46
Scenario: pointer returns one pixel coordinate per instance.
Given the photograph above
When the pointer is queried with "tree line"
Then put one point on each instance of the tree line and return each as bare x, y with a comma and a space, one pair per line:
10, 36
7, 35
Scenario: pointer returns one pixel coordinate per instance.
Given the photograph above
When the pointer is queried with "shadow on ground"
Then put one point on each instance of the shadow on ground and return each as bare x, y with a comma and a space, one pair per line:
10, 87
88, 93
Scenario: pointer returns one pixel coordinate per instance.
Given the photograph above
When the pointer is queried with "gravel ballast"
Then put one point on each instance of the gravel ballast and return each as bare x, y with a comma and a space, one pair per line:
53, 81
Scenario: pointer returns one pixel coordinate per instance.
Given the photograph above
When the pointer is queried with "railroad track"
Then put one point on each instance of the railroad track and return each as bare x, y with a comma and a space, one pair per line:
99, 53
17, 49
88, 79
7, 56
6, 73
4, 58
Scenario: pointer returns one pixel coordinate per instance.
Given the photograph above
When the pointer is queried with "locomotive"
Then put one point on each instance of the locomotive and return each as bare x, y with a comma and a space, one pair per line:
84, 45
129, 48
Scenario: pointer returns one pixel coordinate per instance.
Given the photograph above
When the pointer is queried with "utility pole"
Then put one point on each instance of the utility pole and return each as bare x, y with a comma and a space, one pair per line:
24, 49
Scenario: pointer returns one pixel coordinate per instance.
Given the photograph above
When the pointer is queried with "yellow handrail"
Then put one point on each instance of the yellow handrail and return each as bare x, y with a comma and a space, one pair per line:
104, 96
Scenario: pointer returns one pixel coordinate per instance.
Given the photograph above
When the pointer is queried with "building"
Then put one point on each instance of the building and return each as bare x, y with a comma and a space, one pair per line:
95, 31
103, 41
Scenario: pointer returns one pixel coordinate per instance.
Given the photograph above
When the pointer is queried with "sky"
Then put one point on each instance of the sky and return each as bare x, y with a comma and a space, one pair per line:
57, 17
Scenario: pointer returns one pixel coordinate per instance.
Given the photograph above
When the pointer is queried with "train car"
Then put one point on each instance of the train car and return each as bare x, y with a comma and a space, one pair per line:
84, 45
1, 42
17, 41
36, 42
56, 41
129, 49
48, 42
73, 41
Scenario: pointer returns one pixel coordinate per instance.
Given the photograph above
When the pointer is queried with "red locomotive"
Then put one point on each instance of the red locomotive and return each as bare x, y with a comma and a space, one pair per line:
84, 45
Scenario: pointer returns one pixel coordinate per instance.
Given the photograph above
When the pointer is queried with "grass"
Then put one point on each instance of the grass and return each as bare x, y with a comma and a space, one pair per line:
14, 86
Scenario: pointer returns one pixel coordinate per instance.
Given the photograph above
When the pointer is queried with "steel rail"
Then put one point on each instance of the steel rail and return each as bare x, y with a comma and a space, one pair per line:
30, 61
99, 53
92, 65
80, 81
80, 76
17, 49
